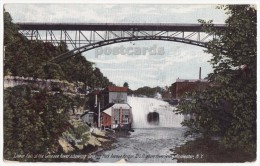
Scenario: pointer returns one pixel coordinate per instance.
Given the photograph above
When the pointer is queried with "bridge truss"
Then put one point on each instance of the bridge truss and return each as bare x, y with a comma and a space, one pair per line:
85, 37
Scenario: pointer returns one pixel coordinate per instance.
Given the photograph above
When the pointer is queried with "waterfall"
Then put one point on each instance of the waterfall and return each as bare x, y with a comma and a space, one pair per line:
141, 107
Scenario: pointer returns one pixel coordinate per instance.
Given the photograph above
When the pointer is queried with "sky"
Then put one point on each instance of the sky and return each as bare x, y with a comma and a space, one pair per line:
178, 61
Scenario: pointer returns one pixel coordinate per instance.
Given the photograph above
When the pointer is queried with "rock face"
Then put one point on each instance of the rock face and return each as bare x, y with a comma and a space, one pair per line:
50, 84
96, 139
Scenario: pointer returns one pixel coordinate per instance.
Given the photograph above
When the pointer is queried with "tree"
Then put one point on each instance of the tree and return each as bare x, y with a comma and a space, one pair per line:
148, 91
228, 108
126, 85
33, 121
32, 59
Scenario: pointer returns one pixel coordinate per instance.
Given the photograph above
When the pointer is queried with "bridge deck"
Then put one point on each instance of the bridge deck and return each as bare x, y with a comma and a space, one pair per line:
114, 26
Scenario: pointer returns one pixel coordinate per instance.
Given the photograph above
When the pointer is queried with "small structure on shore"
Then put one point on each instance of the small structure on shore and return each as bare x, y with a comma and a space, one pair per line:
115, 112
88, 118
117, 116
109, 109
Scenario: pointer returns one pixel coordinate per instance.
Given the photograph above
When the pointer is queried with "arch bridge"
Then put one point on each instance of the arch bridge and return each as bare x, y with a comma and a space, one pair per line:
87, 36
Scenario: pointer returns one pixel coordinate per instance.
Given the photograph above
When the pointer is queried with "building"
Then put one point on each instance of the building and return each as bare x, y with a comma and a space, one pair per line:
114, 94
110, 106
182, 86
89, 118
115, 112
116, 116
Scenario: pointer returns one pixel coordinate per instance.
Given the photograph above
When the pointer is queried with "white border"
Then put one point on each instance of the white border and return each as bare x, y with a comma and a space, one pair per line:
121, 2
138, 1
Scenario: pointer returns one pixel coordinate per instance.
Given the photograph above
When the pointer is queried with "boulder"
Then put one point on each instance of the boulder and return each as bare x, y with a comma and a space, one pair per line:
66, 147
94, 141
98, 132
102, 139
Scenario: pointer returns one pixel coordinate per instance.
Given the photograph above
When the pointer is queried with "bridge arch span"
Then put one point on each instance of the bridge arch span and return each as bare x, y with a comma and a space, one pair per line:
91, 46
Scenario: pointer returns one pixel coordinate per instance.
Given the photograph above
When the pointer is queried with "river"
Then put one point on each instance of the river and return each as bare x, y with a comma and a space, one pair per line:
147, 145
150, 142
162, 141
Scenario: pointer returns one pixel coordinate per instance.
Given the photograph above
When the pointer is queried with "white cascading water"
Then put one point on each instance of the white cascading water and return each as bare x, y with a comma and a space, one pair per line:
141, 107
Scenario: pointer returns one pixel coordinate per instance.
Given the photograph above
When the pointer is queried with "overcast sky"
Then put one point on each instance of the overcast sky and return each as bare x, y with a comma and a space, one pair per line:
179, 60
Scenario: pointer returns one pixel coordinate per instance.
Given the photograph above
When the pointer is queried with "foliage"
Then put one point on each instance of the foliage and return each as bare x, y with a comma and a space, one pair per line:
32, 59
209, 151
228, 109
79, 131
148, 91
33, 121
126, 85
78, 134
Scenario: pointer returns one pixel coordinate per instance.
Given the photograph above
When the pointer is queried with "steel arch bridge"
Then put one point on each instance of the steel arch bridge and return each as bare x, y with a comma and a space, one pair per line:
85, 37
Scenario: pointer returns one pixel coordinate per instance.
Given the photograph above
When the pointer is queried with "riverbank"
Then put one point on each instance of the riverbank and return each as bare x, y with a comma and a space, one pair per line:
202, 150
71, 151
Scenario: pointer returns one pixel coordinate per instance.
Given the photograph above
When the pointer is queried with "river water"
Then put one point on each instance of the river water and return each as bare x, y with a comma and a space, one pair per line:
147, 145
148, 142
163, 141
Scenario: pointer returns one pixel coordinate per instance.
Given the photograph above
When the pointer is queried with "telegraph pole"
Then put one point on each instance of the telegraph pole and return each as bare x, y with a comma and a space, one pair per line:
97, 103
99, 122
200, 80
200, 74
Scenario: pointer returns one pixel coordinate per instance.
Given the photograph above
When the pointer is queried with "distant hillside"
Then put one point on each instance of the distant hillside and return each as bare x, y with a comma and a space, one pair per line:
151, 92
